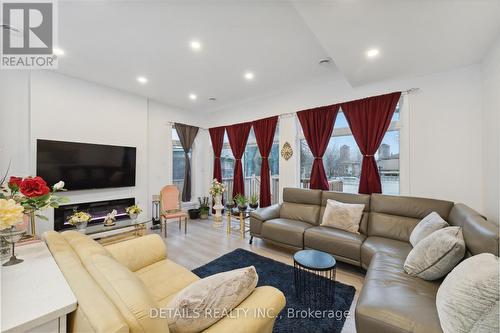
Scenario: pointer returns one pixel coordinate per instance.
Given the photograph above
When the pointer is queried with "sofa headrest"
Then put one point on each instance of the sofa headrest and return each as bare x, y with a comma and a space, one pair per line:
302, 196
480, 235
346, 198
413, 207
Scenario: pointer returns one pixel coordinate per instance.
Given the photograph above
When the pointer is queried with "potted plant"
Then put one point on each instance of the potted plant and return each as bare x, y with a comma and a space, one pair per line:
253, 201
241, 201
194, 213
230, 203
80, 220
133, 211
204, 207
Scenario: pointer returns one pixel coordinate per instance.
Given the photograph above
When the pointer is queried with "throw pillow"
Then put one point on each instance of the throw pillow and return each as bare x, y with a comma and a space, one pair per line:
205, 301
467, 300
427, 226
437, 254
343, 215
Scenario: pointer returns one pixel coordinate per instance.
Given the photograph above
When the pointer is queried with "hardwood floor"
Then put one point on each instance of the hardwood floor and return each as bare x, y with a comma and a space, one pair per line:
204, 243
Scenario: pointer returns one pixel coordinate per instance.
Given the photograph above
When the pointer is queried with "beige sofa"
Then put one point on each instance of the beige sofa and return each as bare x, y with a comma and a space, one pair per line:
117, 286
391, 300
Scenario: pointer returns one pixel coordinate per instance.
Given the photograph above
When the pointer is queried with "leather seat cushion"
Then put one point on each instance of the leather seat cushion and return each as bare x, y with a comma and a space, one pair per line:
165, 278
335, 241
286, 231
374, 244
394, 302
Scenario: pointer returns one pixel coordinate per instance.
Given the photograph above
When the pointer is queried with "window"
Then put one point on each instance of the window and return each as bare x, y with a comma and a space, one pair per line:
252, 163
179, 161
251, 166
342, 159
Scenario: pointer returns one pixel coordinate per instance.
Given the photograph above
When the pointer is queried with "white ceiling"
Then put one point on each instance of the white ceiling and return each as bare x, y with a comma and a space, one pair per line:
113, 42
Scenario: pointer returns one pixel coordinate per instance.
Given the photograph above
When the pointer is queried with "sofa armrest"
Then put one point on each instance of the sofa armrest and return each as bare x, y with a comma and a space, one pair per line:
266, 213
256, 314
139, 252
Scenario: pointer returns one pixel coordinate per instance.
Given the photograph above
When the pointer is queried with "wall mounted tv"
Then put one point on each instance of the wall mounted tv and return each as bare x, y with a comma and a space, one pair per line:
85, 166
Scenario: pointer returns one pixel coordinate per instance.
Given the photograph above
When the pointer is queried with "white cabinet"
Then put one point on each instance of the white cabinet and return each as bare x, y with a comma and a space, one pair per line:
35, 296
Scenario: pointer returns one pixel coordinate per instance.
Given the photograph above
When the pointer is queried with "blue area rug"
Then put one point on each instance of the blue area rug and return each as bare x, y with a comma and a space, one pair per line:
296, 316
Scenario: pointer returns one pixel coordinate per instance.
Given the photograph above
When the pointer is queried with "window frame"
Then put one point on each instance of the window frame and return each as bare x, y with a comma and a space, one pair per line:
396, 125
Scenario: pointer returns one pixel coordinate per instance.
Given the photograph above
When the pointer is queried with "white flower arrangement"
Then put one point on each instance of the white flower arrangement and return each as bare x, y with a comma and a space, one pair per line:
11, 213
79, 217
217, 188
133, 210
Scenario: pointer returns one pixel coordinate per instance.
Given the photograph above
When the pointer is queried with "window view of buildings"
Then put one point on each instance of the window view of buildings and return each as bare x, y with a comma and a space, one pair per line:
342, 159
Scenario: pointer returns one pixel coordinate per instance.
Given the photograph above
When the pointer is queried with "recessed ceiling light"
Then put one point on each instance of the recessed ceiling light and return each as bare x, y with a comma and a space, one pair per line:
57, 51
195, 45
193, 97
249, 76
142, 80
372, 53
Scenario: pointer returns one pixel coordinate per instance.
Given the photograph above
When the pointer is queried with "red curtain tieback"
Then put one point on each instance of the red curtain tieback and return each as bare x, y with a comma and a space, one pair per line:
264, 157
368, 155
318, 158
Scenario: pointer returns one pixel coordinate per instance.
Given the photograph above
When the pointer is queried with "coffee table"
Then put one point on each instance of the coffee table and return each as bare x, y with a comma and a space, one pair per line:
120, 231
314, 277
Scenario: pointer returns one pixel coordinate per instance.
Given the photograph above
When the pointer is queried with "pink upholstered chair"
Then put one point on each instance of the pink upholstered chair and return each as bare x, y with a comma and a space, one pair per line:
170, 207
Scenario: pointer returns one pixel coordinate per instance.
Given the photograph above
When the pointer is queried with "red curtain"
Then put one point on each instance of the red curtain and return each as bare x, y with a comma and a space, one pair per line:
238, 136
317, 125
217, 137
369, 119
264, 134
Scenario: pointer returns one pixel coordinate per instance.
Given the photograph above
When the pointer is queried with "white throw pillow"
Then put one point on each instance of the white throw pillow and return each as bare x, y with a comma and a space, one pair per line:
427, 226
343, 215
208, 300
467, 300
437, 254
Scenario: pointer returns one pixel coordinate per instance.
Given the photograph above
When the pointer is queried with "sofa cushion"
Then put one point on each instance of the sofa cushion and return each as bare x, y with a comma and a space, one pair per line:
139, 252
301, 195
205, 301
164, 279
342, 215
342, 244
467, 300
394, 302
300, 212
348, 198
373, 245
286, 231
437, 254
127, 292
414, 207
395, 216
427, 226
95, 312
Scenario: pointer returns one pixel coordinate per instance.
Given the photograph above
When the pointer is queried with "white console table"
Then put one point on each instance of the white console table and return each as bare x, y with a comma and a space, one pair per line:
35, 296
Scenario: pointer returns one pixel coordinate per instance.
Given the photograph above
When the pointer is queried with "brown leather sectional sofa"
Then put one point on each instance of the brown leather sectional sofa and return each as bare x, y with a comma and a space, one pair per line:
391, 300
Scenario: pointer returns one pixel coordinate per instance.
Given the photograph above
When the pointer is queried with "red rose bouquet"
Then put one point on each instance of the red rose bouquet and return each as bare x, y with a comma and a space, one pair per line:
33, 194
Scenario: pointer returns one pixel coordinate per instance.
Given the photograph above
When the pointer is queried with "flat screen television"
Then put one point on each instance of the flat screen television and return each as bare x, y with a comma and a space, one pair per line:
85, 166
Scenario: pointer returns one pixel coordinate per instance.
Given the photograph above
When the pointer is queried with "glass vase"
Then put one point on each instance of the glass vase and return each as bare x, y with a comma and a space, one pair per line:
12, 236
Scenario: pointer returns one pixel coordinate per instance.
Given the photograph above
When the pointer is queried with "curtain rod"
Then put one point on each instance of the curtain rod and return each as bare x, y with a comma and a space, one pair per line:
403, 92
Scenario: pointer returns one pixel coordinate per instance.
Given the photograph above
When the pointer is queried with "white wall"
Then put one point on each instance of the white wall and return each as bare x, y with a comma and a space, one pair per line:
46, 105
14, 122
442, 132
490, 70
